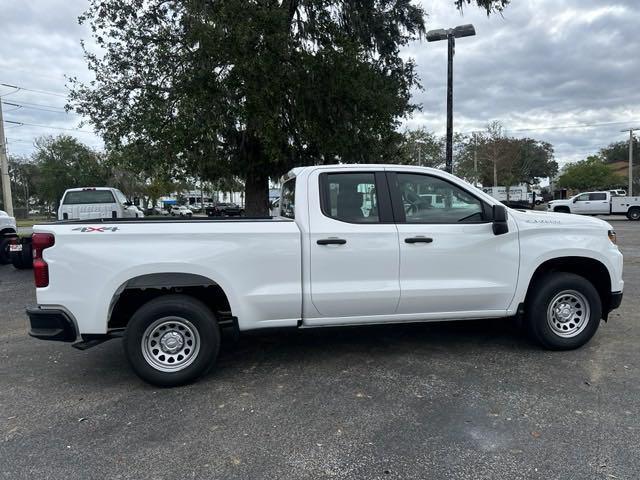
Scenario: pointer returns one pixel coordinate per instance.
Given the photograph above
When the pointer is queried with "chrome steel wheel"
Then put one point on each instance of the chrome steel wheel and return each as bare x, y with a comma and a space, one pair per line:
170, 344
568, 313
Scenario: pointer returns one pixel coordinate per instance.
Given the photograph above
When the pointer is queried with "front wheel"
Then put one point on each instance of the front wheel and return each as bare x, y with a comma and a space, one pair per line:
172, 340
633, 213
563, 312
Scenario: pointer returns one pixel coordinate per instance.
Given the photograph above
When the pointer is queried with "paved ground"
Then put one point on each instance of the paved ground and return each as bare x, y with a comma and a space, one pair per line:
465, 401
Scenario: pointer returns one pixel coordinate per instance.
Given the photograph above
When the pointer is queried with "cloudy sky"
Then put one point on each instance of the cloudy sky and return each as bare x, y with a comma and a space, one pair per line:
564, 71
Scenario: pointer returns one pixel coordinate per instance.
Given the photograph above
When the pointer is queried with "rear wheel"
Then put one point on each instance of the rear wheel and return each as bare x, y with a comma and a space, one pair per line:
633, 213
563, 312
172, 340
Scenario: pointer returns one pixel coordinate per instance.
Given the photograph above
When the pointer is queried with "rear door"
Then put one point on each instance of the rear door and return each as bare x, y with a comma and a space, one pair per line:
353, 244
599, 203
452, 265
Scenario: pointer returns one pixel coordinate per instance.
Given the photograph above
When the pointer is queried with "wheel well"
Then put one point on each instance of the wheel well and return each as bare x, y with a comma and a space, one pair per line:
139, 290
588, 268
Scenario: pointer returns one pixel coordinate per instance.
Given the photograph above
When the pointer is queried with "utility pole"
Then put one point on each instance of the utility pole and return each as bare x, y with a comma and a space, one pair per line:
631, 130
4, 169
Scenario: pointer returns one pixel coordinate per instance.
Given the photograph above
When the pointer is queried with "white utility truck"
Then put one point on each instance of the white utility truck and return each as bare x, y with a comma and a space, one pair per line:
598, 203
88, 203
353, 245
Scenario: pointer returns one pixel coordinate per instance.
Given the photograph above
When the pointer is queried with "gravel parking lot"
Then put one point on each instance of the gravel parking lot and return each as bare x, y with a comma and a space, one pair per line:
458, 400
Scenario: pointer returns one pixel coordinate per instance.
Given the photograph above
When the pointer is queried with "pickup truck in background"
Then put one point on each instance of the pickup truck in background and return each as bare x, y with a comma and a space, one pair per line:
87, 203
353, 245
598, 203
8, 231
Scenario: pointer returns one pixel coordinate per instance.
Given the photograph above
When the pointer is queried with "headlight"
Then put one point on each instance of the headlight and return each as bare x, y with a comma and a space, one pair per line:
613, 237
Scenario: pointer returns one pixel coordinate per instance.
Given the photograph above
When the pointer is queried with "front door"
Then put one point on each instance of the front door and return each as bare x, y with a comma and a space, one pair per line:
452, 265
581, 204
353, 245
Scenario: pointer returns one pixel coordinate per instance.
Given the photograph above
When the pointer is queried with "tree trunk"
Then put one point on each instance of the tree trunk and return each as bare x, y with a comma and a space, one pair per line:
256, 190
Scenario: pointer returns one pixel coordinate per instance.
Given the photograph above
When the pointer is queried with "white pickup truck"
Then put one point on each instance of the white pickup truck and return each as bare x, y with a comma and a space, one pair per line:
598, 203
8, 230
354, 244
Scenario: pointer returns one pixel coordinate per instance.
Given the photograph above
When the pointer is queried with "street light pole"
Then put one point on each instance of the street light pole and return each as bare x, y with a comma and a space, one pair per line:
4, 169
450, 35
449, 152
631, 130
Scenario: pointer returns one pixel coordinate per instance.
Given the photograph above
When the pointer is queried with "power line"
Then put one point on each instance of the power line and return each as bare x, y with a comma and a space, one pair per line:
42, 109
45, 92
40, 105
48, 126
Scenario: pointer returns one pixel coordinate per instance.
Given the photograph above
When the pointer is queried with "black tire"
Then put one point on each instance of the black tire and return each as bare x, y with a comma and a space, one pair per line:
633, 213
4, 251
576, 292
172, 309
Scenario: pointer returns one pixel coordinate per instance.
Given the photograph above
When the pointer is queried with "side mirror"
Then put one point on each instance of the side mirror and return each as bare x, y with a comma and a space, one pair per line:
500, 226
128, 204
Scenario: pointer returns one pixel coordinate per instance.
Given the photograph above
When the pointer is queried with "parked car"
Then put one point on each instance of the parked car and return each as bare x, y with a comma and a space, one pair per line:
225, 210
95, 202
181, 211
344, 252
8, 230
598, 203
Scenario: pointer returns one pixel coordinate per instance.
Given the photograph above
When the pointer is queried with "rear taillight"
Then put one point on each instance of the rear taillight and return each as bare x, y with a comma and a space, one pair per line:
40, 241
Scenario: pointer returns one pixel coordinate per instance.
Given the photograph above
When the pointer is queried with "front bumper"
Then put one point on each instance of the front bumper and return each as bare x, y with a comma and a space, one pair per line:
51, 324
615, 300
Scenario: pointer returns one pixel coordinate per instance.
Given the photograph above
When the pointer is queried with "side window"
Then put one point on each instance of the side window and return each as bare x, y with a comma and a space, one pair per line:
598, 196
583, 198
350, 197
288, 199
427, 199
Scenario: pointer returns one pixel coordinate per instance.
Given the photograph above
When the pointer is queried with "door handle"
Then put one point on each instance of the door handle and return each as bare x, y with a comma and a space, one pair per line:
418, 240
331, 241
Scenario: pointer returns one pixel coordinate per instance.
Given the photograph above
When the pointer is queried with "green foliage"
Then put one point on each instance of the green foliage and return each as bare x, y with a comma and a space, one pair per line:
589, 174
510, 160
63, 162
252, 88
619, 152
420, 147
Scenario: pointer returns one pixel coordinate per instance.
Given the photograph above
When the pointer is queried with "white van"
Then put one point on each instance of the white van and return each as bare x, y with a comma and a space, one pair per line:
96, 202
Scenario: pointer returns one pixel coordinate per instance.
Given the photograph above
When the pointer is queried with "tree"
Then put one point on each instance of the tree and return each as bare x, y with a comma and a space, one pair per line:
63, 162
589, 174
619, 152
420, 147
252, 88
24, 175
492, 158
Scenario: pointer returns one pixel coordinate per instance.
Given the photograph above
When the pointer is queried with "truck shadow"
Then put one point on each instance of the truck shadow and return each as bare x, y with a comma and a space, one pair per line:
298, 344
313, 348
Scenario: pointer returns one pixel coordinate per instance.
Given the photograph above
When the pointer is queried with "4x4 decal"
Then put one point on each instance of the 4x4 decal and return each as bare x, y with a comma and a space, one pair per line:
96, 229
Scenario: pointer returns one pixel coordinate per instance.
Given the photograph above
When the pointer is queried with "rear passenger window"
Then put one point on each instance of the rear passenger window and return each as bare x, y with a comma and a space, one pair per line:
350, 197
598, 196
288, 199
